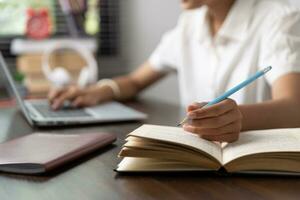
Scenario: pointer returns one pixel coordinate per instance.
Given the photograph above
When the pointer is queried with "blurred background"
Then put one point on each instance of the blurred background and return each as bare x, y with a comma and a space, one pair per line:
30, 27
120, 33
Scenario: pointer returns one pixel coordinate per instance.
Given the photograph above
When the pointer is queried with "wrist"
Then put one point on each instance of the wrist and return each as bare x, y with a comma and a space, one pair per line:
246, 124
112, 88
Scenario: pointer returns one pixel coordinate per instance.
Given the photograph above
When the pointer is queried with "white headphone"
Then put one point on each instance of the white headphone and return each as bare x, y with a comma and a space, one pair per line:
59, 76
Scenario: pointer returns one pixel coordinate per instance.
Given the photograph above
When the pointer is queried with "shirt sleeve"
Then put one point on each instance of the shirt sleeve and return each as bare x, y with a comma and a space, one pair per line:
281, 46
165, 57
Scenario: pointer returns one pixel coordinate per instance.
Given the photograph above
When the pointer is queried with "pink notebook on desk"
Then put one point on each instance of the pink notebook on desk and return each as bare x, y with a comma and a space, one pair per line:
42, 152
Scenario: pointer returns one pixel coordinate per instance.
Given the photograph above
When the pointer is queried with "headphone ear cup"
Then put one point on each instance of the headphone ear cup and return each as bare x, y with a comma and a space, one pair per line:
84, 77
60, 77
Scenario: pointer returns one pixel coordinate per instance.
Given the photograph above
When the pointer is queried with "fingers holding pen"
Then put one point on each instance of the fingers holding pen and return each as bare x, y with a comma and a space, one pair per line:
213, 110
223, 112
219, 122
232, 127
194, 106
215, 122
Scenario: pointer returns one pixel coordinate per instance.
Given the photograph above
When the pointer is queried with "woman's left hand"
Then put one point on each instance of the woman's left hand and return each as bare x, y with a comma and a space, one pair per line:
221, 122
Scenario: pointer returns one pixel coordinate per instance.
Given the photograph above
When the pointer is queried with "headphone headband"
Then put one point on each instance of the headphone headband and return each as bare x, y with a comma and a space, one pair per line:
75, 46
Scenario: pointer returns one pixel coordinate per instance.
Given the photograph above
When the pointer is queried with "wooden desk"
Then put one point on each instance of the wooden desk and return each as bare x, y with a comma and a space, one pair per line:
93, 177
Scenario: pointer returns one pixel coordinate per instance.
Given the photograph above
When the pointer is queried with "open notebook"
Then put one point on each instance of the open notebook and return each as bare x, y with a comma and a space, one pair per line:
162, 148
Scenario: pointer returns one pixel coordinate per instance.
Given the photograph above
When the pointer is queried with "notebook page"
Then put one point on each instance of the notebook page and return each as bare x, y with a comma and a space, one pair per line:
263, 141
178, 135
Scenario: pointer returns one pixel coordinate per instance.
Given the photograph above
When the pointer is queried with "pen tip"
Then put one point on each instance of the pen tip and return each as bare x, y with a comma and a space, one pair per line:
267, 69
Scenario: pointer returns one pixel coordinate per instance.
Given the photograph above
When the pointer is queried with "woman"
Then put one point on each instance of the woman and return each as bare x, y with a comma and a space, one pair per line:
216, 45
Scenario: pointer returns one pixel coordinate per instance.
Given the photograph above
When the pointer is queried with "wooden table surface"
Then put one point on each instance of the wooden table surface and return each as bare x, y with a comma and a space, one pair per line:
93, 177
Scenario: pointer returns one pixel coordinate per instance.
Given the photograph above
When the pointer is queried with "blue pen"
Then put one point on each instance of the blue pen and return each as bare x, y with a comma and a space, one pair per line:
234, 89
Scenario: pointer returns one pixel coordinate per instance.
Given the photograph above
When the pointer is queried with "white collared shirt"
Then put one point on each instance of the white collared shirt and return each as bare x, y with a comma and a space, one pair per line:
254, 35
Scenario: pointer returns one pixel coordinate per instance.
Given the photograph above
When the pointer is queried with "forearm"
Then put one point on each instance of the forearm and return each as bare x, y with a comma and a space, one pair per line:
128, 88
130, 85
120, 88
281, 113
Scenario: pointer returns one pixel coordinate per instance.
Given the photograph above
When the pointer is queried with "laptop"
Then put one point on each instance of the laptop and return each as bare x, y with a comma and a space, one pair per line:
38, 112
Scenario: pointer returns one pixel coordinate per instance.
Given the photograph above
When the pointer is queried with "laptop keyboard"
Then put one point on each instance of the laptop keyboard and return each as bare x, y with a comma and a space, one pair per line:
47, 112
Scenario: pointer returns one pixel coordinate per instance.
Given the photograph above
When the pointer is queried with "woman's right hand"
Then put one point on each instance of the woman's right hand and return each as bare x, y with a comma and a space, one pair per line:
89, 96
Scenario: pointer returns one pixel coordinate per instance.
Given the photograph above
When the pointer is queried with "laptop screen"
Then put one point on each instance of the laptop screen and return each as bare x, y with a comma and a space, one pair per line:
12, 87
